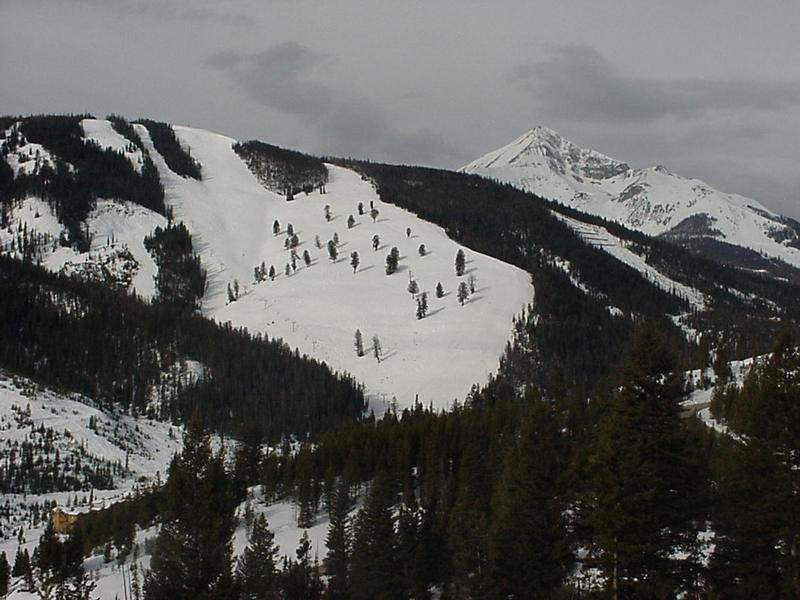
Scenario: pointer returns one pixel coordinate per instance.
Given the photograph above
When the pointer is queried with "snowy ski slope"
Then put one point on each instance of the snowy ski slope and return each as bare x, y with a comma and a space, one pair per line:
318, 308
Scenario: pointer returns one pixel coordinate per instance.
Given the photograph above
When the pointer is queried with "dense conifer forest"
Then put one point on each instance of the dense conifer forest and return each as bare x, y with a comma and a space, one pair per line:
282, 171
574, 472
178, 158
83, 172
85, 337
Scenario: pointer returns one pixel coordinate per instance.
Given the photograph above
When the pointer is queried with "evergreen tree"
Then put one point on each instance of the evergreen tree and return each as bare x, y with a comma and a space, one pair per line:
468, 527
327, 211
288, 270
638, 527
392, 260
354, 261
336, 238
300, 578
408, 232
276, 227
376, 347
473, 284
374, 573
413, 287
360, 208
351, 221
256, 573
439, 290
192, 557
422, 250
528, 551
374, 212
333, 253
463, 292
758, 500
338, 543
5, 574
317, 242
460, 262
289, 230
359, 343
306, 258
376, 241
231, 297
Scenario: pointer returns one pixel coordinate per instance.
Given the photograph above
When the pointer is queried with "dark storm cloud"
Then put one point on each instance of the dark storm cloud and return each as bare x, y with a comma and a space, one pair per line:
290, 78
575, 81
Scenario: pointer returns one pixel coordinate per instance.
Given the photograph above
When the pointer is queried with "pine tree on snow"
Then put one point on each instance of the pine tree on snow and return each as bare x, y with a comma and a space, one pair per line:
460, 262
333, 253
463, 292
354, 261
359, 343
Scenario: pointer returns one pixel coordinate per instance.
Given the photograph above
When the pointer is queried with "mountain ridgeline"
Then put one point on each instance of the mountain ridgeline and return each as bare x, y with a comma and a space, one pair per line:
569, 338
728, 228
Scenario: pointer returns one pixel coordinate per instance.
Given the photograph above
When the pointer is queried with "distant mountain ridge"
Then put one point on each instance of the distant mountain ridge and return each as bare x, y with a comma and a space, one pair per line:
727, 227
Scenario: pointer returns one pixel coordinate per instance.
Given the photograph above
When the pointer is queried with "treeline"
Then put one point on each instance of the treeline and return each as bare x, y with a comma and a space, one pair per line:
513, 497
576, 338
181, 280
178, 158
83, 172
282, 171
87, 338
744, 304
126, 130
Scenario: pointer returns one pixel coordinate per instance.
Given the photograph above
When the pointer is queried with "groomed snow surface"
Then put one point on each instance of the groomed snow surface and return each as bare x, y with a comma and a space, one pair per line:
318, 308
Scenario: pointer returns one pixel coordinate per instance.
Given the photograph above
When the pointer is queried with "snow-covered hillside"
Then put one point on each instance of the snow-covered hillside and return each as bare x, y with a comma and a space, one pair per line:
116, 228
318, 308
652, 200
79, 440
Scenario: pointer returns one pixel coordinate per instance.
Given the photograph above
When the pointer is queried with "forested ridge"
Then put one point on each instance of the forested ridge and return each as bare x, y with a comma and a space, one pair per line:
571, 473
509, 496
83, 172
87, 338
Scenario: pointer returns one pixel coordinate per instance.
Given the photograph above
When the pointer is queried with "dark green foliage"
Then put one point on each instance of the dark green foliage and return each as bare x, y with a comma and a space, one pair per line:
178, 158
637, 528
374, 569
282, 171
528, 547
125, 129
256, 571
192, 554
392, 260
96, 173
181, 280
338, 541
5, 574
755, 516
84, 337
460, 262
300, 579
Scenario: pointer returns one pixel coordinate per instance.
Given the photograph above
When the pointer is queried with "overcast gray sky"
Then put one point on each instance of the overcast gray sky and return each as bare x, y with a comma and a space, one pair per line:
709, 89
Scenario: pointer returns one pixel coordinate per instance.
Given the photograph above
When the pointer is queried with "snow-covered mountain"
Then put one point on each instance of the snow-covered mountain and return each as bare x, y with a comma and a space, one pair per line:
318, 307
652, 200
